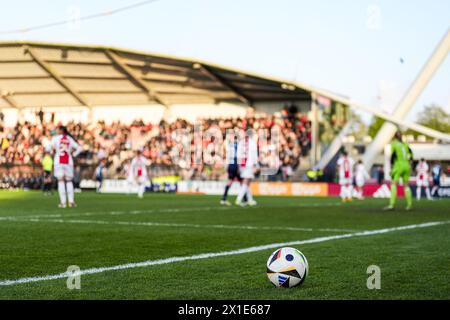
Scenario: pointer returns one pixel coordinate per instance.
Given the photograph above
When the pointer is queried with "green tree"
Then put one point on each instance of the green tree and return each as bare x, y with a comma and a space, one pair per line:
434, 117
360, 129
375, 126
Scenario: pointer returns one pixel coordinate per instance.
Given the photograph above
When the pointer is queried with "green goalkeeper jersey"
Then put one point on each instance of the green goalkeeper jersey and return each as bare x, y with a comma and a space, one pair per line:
401, 168
401, 152
47, 163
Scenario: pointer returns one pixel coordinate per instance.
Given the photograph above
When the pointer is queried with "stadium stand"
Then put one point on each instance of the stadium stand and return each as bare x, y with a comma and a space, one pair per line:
23, 146
98, 91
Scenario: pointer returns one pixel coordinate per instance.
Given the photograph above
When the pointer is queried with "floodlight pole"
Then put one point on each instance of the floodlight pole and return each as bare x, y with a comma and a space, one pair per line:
388, 129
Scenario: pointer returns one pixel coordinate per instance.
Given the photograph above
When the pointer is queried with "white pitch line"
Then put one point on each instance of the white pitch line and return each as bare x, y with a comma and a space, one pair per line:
216, 254
178, 225
172, 210
132, 212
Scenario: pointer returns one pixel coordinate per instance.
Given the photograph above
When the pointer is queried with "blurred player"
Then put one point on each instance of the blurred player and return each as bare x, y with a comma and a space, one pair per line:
422, 179
345, 167
436, 172
47, 167
64, 148
360, 178
138, 172
401, 168
127, 171
99, 174
233, 168
248, 157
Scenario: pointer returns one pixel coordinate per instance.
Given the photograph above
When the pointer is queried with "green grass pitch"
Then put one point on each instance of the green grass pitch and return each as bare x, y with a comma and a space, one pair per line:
38, 239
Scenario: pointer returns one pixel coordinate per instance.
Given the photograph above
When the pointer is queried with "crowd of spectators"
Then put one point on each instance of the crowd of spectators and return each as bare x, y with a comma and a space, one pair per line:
26, 143
26, 181
29, 180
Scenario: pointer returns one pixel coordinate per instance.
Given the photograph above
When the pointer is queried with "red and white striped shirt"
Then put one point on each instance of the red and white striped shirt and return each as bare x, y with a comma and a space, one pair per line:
345, 167
422, 170
247, 152
64, 146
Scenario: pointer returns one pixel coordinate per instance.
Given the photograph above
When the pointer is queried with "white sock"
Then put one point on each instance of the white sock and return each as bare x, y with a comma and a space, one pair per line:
242, 192
249, 195
141, 190
434, 189
345, 192
62, 192
427, 191
342, 193
418, 192
350, 191
69, 187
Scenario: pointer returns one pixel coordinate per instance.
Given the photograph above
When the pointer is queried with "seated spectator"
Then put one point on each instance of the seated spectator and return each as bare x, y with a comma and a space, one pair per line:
24, 145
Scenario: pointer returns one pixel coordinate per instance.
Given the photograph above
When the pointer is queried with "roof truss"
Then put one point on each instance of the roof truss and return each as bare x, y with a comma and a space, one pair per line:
44, 74
7, 97
44, 65
209, 73
133, 76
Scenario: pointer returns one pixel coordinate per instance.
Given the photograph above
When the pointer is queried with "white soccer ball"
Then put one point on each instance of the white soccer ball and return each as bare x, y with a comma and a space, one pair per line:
287, 267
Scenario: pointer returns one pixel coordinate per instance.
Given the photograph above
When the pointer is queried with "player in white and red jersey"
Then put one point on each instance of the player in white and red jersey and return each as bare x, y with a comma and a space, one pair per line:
247, 151
422, 179
138, 172
360, 178
64, 148
128, 174
345, 166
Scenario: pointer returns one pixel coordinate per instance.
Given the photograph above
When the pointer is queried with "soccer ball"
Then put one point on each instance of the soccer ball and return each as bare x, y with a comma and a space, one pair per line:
287, 267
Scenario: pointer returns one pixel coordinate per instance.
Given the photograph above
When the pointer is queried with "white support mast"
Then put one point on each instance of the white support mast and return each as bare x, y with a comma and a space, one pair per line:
388, 129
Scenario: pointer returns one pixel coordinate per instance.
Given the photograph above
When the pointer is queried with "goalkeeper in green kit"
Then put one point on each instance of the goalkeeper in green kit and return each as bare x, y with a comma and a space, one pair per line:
401, 168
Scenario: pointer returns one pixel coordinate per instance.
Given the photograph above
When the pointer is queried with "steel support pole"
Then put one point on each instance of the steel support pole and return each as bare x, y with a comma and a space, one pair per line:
388, 129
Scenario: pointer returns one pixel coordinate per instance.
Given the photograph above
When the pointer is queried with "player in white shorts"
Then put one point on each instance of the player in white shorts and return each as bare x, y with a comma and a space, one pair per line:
345, 165
360, 178
138, 172
64, 148
247, 151
422, 179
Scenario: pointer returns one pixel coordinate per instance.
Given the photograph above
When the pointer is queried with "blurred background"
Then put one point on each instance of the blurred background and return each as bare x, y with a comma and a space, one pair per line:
124, 75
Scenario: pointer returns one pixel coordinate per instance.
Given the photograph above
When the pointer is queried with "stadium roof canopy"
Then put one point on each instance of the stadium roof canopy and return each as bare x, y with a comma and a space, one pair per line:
35, 74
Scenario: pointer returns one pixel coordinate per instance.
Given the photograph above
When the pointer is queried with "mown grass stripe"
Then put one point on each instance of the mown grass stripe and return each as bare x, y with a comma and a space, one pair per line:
178, 225
217, 254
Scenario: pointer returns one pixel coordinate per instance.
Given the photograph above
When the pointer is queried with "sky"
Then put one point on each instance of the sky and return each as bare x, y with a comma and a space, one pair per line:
369, 51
